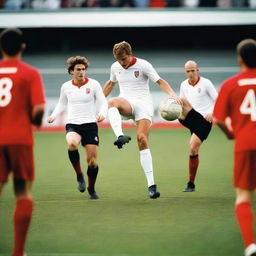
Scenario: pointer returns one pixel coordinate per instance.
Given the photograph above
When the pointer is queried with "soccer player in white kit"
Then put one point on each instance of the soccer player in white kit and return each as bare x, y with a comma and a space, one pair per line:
135, 102
82, 96
198, 96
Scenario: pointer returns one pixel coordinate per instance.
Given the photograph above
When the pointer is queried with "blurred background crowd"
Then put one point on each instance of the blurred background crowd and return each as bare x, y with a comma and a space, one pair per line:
57, 4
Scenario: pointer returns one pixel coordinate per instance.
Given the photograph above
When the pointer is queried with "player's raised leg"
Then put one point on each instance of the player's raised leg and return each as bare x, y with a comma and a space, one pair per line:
118, 106
92, 171
73, 139
143, 127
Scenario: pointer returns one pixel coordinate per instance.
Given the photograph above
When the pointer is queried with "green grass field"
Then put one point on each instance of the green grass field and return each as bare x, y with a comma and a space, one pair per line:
125, 222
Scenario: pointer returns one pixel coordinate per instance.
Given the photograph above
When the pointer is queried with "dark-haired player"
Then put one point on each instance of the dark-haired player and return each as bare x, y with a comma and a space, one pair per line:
81, 96
237, 101
21, 105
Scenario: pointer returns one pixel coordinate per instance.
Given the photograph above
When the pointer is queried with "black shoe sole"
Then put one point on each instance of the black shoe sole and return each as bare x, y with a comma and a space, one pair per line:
120, 144
81, 190
155, 196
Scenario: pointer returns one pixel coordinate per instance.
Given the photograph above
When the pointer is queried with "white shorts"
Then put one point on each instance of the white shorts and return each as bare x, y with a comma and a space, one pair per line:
141, 109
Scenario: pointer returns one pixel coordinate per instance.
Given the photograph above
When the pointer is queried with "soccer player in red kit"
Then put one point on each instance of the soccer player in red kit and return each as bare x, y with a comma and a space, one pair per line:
21, 105
237, 101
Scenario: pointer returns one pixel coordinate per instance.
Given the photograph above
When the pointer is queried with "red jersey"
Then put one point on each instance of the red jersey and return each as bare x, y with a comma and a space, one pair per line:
237, 99
21, 88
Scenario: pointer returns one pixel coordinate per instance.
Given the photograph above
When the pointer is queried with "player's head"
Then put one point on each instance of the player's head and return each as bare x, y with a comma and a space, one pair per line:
73, 61
12, 41
246, 51
123, 53
122, 48
191, 70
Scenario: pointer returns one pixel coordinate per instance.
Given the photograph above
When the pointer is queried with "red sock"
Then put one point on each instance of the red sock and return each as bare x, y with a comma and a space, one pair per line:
244, 217
22, 217
193, 165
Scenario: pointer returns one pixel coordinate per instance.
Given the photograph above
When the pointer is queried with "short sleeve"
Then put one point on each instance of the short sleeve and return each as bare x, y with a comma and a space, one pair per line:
150, 72
221, 107
37, 88
113, 74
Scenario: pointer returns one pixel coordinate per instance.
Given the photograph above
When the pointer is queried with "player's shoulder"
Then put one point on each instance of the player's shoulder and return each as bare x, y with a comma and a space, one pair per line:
205, 80
66, 84
233, 80
28, 67
20, 66
93, 81
230, 83
142, 61
115, 65
184, 83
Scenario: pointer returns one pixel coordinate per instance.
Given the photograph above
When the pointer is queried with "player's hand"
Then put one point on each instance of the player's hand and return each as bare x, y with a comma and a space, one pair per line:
175, 97
209, 118
50, 119
230, 135
100, 118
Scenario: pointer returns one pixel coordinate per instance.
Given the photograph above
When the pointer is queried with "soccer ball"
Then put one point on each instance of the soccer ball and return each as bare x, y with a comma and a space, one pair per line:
170, 109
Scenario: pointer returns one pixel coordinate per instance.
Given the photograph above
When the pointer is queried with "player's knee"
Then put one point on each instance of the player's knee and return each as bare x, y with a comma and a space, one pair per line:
92, 161
185, 103
142, 140
72, 145
19, 187
193, 149
186, 106
112, 104
243, 195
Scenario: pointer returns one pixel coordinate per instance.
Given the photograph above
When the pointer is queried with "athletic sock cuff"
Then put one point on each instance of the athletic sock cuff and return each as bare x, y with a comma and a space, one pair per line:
242, 204
145, 151
194, 156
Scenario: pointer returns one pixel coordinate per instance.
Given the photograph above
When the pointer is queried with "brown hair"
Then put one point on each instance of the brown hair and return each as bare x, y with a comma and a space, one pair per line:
121, 48
246, 49
72, 61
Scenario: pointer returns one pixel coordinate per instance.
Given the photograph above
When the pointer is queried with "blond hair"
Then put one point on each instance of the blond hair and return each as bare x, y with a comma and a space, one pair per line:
122, 48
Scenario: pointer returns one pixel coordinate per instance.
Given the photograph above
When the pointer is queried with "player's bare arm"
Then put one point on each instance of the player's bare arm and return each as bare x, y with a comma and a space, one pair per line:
50, 119
100, 118
108, 87
224, 127
37, 114
167, 88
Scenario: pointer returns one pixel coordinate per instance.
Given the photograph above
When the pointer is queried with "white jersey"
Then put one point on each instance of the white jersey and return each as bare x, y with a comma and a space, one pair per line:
81, 102
201, 96
134, 81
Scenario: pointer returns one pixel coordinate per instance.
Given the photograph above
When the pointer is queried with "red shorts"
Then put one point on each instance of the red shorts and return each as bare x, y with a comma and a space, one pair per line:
245, 169
18, 159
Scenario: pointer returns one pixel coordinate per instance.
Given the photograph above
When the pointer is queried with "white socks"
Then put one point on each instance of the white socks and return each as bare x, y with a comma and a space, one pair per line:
115, 121
145, 155
147, 165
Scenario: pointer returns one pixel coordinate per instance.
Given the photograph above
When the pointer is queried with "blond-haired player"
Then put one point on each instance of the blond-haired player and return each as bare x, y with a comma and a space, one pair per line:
135, 102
